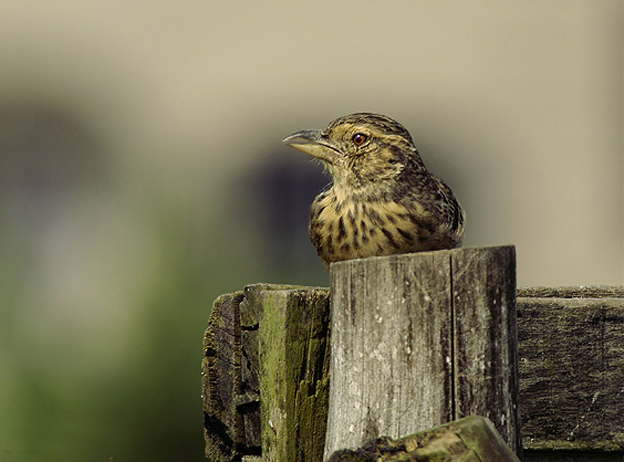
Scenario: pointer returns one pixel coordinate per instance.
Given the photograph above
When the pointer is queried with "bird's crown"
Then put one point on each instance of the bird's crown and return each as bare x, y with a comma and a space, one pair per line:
380, 125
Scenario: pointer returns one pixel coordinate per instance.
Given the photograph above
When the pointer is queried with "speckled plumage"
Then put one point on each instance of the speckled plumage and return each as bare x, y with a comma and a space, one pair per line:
382, 200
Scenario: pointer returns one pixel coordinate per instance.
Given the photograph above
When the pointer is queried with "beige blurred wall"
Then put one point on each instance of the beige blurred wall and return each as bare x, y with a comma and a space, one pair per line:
142, 174
517, 104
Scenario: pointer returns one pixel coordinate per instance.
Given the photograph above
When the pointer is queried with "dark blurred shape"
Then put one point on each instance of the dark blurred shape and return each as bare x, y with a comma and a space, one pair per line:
47, 154
280, 195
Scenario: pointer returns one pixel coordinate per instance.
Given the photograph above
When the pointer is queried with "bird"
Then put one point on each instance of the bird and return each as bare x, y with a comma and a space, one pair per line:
382, 199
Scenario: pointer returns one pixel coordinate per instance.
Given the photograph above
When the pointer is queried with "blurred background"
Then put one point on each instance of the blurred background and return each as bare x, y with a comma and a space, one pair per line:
142, 174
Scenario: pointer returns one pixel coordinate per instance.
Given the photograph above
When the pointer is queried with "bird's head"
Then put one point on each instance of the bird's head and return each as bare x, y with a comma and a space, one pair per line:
361, 148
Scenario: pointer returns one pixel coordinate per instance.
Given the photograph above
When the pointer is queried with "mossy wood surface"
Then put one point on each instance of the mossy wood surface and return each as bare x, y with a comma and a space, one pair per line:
294, 374
268, 340
472, 439
571, 349
422, 339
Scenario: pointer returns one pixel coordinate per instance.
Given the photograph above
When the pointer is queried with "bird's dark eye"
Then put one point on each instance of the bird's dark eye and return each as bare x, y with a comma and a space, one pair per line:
359, 139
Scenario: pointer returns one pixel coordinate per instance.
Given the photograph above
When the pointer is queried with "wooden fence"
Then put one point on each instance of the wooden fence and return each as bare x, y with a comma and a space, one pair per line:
416, 341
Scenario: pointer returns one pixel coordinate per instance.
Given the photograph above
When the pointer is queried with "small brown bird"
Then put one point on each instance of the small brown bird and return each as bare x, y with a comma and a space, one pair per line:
383, 200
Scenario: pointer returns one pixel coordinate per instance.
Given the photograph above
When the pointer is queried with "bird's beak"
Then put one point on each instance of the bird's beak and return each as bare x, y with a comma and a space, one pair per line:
314, 143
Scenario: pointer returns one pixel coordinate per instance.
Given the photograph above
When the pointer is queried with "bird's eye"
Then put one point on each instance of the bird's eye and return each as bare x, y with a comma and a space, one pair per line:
359, 139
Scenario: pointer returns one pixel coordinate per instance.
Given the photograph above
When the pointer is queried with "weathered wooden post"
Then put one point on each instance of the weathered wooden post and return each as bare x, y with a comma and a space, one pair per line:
422, 339
265, 374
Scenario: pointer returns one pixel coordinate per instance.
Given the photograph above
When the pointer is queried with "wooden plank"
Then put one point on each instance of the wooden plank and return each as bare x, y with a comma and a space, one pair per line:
221, 378
571, 292
294, 373
572, 370
472, 439
484, 314
406, 333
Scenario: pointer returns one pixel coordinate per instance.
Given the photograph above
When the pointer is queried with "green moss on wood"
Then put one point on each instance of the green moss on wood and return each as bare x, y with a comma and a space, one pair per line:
294, 375
470, 439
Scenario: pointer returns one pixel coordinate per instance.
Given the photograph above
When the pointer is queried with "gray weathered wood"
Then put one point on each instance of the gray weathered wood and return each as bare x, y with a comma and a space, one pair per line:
422, 339
485, 335
471, 439
571, 292
221, 382
571, 345
571, 349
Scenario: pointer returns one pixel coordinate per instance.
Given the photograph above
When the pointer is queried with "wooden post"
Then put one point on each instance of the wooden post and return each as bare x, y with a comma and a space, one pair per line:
563, 332
422, 339
271, 342
294, 374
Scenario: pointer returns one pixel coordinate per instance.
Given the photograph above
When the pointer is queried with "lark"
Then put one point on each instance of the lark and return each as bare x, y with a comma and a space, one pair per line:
382, 199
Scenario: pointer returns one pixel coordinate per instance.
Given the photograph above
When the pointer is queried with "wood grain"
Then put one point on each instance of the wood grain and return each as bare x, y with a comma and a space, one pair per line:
570, 342
422, 339
294, 373
572, 370
272, 341
472, 439
485, 334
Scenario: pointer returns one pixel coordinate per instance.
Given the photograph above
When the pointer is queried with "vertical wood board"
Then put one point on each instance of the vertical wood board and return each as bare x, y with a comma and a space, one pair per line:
416, 340
294, 374
485, 334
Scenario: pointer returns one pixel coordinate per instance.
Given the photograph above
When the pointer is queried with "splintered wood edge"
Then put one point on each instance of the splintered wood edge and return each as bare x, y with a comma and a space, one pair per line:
475, 434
